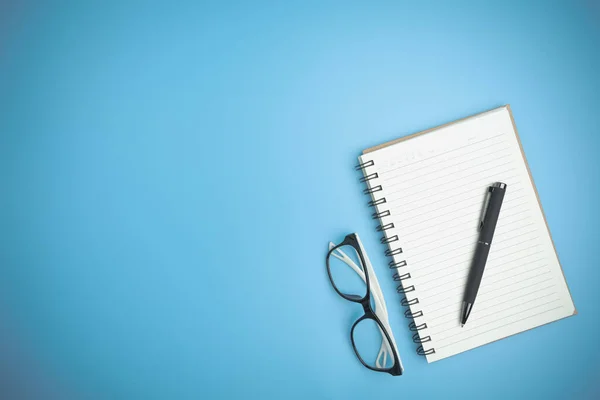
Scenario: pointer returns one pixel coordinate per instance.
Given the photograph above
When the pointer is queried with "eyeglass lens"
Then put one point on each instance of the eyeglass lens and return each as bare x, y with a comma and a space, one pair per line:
368, 338
345, 278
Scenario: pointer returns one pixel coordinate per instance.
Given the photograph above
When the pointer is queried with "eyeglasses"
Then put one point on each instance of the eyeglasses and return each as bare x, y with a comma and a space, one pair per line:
372, 331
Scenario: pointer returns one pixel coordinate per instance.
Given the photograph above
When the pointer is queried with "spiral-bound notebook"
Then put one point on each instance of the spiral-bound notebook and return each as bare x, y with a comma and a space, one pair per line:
428, 191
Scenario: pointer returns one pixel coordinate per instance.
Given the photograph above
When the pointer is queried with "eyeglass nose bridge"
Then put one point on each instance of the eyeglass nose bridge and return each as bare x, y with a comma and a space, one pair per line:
366, 305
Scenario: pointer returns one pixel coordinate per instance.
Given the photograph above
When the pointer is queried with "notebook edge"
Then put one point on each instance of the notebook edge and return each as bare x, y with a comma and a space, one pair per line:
514, 125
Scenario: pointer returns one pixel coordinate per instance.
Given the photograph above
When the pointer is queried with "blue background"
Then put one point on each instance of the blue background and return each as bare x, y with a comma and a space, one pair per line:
171, 176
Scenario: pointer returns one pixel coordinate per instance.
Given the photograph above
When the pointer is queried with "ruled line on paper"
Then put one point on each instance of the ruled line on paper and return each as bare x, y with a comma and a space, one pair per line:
470, 252
466, 259
463, 263
510, 203
502, 237
474, 193
457, 300
504, 326
479, 201
388, 185
478, 193
467, 240
484, 285
485, 297
471, 223
451, 253
395, 168
454, 173
466, 266
442, 186
455, 312
474, 327
487, 282
416, 273
443, 224
449, 151
467, 212
488, 275
498, 299
470, 228
468, 207
386, 177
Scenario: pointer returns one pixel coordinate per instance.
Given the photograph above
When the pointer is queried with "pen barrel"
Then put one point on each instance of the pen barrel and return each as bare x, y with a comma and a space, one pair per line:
491, 216
476, 272
482, 249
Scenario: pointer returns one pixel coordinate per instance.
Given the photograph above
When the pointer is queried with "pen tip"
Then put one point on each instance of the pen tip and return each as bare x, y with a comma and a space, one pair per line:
461, 325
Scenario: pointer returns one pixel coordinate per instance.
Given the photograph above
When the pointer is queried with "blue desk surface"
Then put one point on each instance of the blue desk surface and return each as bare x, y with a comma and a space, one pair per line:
172, 174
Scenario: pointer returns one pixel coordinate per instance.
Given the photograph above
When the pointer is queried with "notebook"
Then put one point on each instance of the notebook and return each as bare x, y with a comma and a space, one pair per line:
428, 191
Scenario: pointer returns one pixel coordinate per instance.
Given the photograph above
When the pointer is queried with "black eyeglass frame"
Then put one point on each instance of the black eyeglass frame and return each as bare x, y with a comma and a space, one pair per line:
365, 302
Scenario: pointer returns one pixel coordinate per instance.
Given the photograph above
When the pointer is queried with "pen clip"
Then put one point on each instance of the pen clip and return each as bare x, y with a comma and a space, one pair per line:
486, 204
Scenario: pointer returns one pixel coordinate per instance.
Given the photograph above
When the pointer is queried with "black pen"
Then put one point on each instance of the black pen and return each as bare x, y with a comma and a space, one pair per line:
487, 226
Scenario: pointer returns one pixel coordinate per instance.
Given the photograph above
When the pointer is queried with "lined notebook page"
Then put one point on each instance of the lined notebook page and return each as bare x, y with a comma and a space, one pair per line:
434, 187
